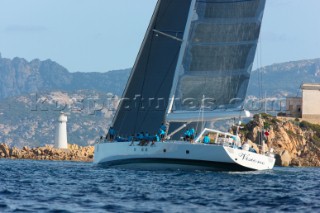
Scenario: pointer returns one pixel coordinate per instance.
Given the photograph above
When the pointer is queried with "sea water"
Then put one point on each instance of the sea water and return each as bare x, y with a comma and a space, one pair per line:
47, 186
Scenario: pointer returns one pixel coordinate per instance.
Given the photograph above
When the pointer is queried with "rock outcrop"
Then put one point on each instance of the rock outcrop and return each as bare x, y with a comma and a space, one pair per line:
73, 153
295, 143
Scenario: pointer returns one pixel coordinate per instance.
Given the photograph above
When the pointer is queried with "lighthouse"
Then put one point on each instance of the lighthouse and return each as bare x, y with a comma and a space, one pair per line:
61, 141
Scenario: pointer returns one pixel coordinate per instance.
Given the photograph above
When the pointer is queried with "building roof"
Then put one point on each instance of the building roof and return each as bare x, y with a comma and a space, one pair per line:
311, 86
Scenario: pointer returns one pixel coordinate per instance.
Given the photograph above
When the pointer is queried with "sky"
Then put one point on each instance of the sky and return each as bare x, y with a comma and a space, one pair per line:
104, 35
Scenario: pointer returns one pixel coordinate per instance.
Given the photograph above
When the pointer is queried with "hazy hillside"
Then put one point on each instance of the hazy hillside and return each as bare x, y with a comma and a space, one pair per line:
32, 119
280, 80
32, 94
19, 77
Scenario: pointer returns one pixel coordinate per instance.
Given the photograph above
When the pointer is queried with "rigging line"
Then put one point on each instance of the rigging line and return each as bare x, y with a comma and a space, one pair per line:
155, 15
260, 82
160, 16
162, 82
227, 2
138, 104
261, 64
199, 116
237, 87
122, 120
144, 80
200, 109
178, 51
203, 123
202, 115
258, 73
300, 88
167, 35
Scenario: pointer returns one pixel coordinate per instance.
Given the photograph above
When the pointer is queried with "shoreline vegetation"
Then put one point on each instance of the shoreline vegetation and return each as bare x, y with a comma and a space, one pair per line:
295, 143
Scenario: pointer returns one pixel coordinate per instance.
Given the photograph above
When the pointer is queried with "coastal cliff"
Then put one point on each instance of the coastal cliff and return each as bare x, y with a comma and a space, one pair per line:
73, 153
295, 142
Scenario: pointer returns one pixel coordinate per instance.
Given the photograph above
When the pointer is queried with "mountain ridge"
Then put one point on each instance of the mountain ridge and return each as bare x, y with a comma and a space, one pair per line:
267, 80
20, 77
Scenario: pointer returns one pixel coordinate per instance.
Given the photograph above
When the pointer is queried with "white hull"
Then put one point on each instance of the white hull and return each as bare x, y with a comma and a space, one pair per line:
180, 155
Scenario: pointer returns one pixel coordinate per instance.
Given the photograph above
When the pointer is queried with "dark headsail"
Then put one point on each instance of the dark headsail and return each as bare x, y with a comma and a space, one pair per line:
146, 96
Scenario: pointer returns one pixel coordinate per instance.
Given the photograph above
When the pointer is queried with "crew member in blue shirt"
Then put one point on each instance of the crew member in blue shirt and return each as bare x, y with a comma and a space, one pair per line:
163, 127
156, 138
111, 133
206, 139
162, 134
192, 134
187, 135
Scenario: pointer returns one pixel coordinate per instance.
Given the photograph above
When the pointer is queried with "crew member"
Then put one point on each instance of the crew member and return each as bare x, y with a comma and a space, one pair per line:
111, 133
192, 134
162, 134
187, 135
163, 127
206, 139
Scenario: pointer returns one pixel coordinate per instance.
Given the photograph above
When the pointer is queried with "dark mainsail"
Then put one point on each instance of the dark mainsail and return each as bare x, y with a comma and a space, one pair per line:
146, 96
192, 49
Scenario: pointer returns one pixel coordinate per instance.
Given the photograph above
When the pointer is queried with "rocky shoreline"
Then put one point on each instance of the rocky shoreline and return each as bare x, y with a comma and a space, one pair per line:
48, 152
295, 142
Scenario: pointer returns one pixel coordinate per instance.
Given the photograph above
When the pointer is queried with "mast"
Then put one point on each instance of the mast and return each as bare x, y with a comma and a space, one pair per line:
179, 68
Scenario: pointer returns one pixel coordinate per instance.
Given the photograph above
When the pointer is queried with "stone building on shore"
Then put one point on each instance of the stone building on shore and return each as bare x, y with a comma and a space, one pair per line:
307, 106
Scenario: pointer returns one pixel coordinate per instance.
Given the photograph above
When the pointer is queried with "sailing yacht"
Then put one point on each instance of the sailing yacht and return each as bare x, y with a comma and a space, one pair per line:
192, 70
